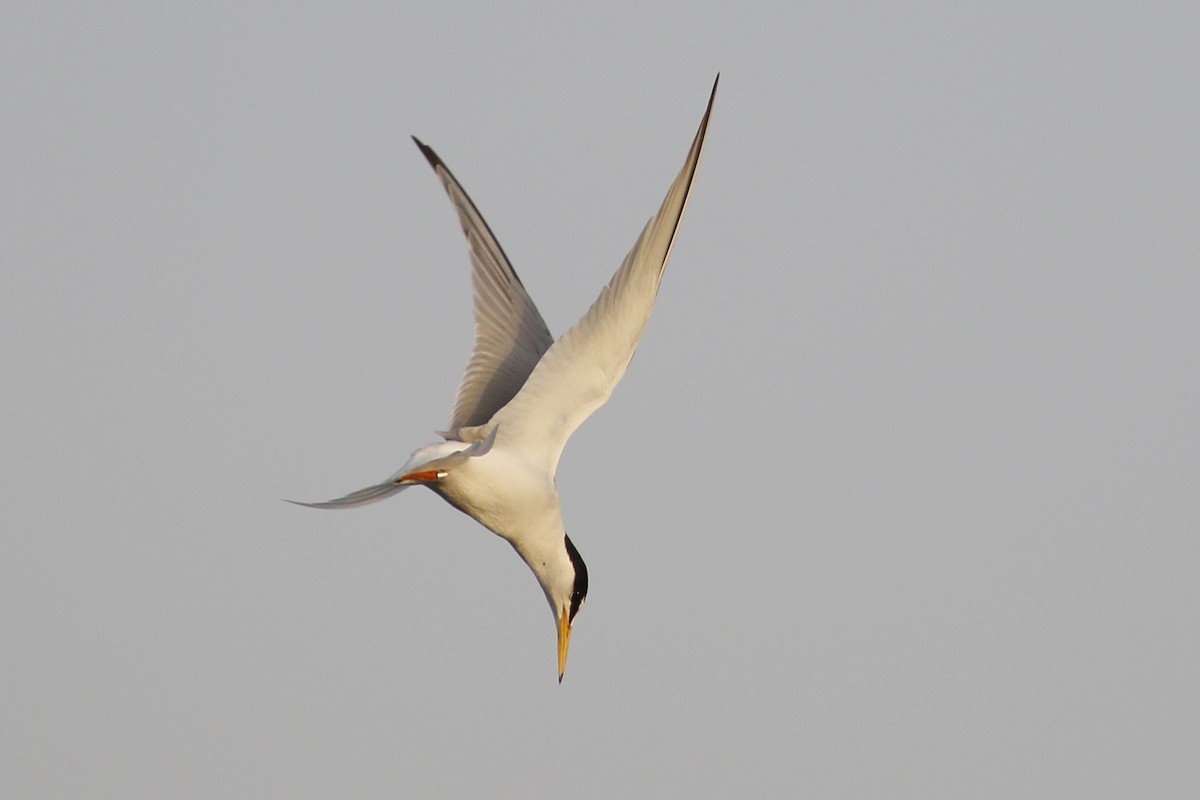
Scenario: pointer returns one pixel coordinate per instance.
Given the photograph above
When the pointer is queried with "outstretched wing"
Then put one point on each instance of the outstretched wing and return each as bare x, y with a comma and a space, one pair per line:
578, 373
363, 497
429, 463
510, 335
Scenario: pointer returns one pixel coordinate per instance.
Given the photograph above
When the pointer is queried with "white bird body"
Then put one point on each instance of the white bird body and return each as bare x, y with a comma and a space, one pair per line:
524, 394
509, 496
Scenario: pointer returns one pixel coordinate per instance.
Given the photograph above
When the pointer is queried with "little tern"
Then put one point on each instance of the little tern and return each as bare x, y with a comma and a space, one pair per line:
523, 393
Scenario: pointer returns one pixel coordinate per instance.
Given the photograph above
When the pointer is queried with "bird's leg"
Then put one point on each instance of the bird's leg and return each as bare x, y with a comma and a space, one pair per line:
427, 476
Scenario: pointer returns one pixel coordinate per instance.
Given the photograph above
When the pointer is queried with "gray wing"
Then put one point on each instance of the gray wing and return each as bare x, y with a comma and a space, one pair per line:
510, 335
371, 494
440, 457
577, 374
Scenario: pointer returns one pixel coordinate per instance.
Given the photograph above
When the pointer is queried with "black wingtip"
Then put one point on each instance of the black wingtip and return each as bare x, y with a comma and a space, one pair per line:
703, 131
427, 151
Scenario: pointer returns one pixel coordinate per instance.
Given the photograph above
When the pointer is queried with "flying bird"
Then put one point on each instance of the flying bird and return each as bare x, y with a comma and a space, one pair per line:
523, 393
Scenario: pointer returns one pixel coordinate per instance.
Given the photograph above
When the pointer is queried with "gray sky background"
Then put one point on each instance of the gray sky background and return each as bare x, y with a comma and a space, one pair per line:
898, 499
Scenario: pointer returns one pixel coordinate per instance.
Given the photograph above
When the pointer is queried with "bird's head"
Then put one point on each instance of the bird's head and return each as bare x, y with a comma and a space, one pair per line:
564, 579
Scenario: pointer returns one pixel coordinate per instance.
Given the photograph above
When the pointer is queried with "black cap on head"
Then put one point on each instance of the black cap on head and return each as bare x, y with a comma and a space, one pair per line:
580, 590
